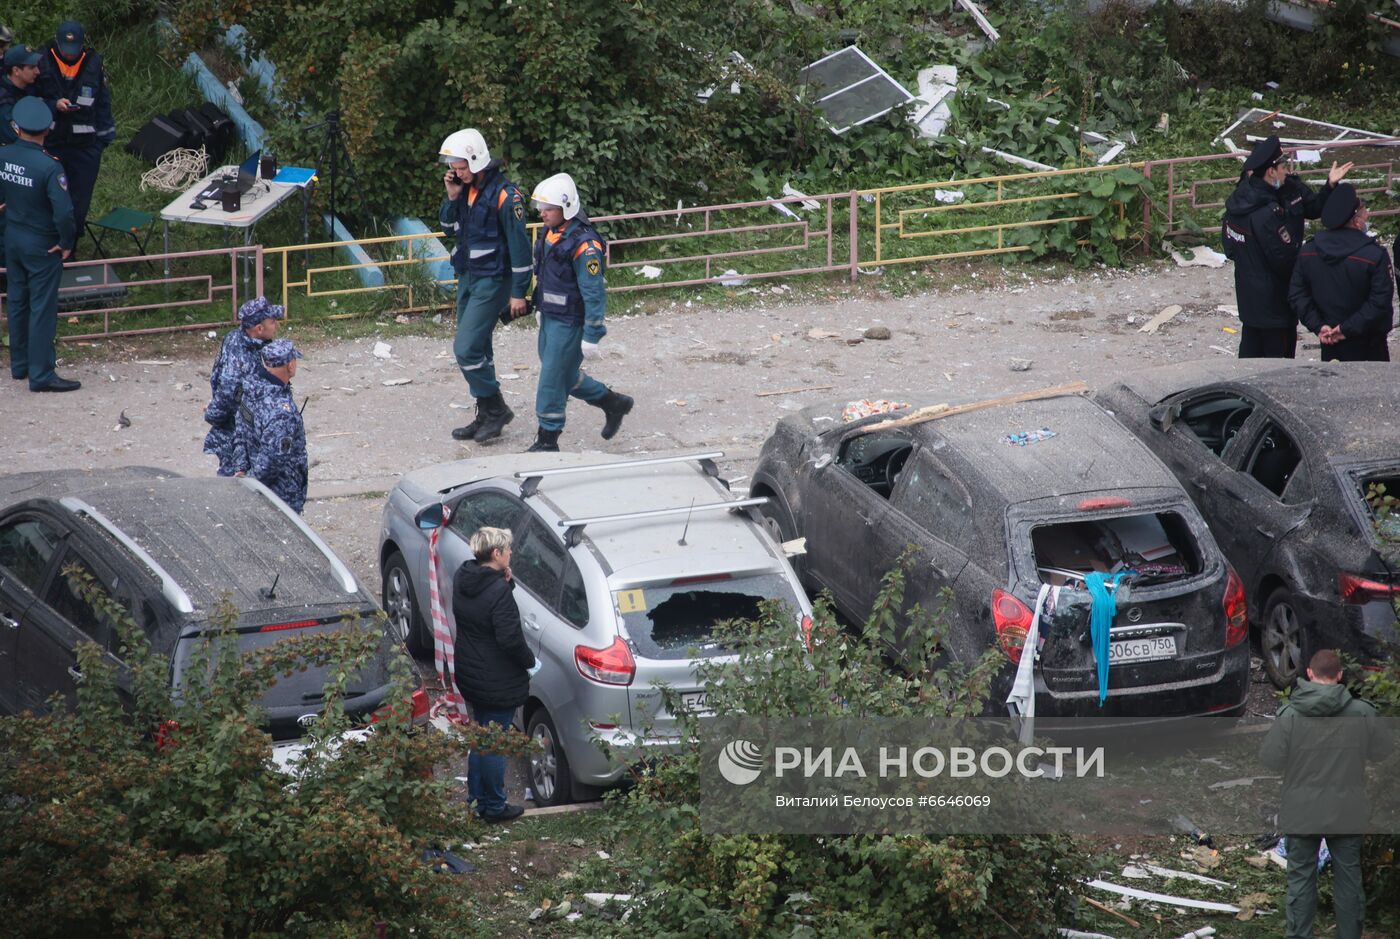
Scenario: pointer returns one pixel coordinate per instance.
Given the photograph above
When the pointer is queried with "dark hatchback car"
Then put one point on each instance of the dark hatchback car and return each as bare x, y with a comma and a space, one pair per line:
994, 516
1279, 457
167, 549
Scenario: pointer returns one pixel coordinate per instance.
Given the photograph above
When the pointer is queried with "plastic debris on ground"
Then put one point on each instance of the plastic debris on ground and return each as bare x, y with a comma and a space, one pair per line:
808, 203
1165, 898
1028, 436
382, 350
855, 410
649, 271
732, 278
1161, 319
445, 862
1199, 256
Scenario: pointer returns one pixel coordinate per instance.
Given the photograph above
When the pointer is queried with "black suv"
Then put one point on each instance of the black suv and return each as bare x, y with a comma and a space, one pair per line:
999, 501
167, 548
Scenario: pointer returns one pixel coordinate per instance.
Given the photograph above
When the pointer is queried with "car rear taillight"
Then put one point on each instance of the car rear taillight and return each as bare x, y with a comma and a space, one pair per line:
611, 666
1012, 620
1356, 589
299, 624
807, 632
1236, 616
1103, 502
418, 707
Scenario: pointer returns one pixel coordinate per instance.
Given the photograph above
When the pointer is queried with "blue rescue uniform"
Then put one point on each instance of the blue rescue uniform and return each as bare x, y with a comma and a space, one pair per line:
239, 356
270, 439
38, 216
571, 297
79, 136
492, 262
9, 94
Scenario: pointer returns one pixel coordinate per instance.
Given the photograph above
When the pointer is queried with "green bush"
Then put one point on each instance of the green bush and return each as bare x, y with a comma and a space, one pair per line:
169, 819
695, 884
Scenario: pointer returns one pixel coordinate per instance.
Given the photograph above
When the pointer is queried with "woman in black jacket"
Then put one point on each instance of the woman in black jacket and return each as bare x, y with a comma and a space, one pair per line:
493, 663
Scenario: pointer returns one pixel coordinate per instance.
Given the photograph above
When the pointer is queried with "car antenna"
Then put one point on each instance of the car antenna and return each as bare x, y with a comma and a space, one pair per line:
270, 593
687, 523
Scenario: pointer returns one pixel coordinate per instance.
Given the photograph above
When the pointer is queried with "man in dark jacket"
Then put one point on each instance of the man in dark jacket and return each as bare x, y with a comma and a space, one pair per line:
1262, 232
493, 662
1322, 740
1341, 284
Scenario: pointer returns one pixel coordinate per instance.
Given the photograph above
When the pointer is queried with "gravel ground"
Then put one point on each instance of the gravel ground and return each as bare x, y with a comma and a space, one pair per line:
702, 377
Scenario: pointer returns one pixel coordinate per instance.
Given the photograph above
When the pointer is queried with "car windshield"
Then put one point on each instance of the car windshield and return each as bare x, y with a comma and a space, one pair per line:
676, 619
1158, 547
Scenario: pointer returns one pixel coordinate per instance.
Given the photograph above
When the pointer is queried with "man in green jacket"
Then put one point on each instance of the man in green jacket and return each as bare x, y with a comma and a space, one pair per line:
1322, 740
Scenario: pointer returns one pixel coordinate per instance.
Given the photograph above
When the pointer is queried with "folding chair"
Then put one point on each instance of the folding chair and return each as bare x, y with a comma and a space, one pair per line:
133, 223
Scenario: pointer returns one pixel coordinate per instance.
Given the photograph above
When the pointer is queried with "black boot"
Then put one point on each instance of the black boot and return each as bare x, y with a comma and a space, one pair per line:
546, 441
496, 417
615, 408
468, 432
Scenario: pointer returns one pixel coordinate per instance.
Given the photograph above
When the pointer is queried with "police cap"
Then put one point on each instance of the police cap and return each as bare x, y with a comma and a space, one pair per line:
258, 309
279, 352
70, 39
20, 55
32, 115
1265, 153
1340, 206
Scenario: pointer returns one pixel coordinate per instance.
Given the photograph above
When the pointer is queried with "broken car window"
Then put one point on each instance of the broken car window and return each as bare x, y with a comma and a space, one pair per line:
537, 560
1159, 547
484, 510
1215, 420
876, 460
933, 499
1274, 459
676, 620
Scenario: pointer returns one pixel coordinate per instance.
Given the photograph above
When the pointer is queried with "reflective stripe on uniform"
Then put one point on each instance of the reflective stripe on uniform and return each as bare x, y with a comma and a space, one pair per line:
482, 252
552, 415
557, 298
520, 270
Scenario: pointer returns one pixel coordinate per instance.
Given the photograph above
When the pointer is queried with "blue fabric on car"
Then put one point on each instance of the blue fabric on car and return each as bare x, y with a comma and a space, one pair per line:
1104, 606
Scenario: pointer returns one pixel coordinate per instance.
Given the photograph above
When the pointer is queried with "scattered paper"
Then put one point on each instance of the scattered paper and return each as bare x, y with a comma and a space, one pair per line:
732, 278
1307, 156
1199, 256
949, 196
649, 271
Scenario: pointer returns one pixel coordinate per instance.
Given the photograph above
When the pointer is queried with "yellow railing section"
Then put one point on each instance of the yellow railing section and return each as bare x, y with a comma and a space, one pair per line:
281, 259
896, 223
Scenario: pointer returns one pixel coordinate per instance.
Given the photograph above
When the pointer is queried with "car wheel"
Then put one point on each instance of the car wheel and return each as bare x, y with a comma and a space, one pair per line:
550, 776
401, 605
1281, 639
777, 521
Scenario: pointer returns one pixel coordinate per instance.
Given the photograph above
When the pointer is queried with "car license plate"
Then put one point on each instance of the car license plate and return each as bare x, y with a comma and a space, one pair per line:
1144, 649
696, 701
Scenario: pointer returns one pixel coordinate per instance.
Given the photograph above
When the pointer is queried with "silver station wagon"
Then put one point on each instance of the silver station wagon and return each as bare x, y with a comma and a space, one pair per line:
622, 569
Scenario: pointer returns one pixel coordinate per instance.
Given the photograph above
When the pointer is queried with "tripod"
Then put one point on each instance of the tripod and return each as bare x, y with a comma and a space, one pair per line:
333, 154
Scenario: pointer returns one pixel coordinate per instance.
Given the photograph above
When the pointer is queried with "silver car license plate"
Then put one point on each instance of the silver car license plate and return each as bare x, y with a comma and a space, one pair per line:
696, 701
1144, 649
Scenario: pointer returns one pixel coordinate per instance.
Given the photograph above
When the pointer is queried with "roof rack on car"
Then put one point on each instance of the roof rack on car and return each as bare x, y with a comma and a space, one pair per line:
573, 527
169, 589
532, 478
338, 568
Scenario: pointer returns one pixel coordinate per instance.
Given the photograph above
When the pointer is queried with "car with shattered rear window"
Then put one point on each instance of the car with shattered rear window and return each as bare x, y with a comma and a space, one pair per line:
998, 502
623, 570
1292, 464
169, 550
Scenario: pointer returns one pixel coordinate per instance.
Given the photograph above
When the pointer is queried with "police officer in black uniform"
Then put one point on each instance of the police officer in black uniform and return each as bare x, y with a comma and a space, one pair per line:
1341, 284
1262, 232
72, 79
19, 81
38, 236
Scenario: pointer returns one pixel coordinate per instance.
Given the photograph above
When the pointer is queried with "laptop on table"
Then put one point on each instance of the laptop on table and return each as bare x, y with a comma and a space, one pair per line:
247, 175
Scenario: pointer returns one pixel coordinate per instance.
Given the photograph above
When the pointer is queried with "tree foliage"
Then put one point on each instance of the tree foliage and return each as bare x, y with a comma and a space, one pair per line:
167, 817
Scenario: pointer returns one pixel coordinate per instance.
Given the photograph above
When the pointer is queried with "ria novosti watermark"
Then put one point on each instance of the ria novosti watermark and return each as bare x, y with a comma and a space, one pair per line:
1089, 776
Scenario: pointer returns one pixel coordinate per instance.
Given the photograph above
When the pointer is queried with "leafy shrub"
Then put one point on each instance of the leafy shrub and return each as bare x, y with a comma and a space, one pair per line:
697, 884
169, 819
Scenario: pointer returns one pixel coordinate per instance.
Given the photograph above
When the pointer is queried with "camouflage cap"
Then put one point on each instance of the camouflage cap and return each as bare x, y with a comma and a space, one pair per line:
279, 352
258, 309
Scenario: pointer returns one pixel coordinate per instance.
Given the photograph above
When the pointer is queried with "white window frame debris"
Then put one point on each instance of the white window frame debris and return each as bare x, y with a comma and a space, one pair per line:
1328, 133
879, 73
980, 18
735, 64
1090, 137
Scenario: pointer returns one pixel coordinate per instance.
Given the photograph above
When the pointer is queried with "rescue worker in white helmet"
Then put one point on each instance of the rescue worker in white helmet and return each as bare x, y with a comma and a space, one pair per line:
486, 213
570, 300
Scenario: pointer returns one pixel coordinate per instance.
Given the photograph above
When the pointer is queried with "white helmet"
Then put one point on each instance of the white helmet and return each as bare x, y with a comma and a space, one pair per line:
559, 190
466, 145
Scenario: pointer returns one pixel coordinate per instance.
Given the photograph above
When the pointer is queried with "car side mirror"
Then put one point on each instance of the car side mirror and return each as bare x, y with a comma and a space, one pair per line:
1163, 416
430, 516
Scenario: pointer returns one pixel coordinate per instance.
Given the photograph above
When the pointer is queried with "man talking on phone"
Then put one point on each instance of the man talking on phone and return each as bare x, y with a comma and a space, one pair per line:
492, 262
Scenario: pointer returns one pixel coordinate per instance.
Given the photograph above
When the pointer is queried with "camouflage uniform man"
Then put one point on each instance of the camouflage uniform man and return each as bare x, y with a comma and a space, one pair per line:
239, 356
269, 437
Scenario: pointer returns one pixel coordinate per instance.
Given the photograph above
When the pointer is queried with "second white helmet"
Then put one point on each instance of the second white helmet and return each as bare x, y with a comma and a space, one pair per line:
469, 145
558, 190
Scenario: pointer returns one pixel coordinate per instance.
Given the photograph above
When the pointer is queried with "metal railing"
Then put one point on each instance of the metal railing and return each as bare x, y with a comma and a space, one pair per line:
729, 244
108, 288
